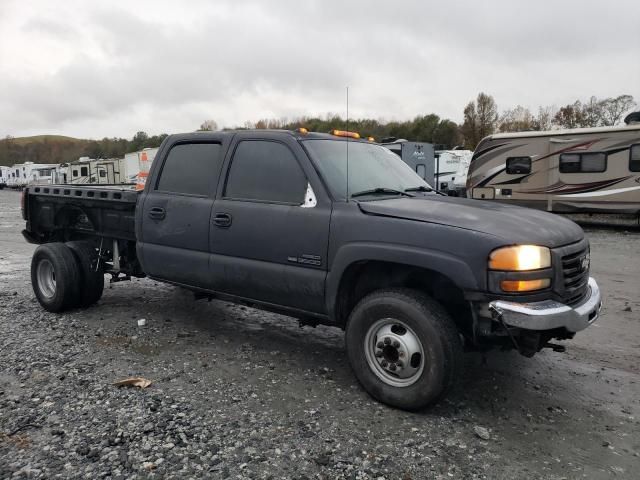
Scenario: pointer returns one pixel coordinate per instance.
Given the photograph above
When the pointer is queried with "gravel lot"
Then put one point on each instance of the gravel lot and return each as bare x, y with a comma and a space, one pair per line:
245, 394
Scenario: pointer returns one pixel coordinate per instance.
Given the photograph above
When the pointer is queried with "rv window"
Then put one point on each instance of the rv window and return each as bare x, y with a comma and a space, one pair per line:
583, 162
518, 165
634, 158
421, 170
570, 163
103, 173
265, 171
191, 168
75, 173
84, 171
593, 162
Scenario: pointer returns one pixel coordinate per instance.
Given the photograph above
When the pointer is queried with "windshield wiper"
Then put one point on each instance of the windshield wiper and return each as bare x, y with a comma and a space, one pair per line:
421, 188
424, 188
374, 191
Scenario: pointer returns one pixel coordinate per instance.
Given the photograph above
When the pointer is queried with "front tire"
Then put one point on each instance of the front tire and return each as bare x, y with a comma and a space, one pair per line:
403, 348
55, 277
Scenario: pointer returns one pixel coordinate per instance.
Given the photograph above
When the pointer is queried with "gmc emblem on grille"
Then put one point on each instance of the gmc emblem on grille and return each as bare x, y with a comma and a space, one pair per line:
584, 263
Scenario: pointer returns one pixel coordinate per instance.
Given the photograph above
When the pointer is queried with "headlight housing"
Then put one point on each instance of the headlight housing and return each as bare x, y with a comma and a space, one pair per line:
520, 258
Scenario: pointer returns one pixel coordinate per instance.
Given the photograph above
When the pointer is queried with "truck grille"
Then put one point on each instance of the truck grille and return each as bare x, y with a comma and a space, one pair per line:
575, 271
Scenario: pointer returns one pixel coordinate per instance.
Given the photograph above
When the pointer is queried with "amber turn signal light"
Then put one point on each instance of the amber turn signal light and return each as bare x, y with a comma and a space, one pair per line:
524, 285
344, 133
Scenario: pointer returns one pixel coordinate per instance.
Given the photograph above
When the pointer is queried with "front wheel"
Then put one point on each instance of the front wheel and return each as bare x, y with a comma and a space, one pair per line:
403, 347
55, 277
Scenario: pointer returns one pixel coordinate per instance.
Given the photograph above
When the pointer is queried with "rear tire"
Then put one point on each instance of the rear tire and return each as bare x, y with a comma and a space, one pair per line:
55, 277
92, 281
403, 348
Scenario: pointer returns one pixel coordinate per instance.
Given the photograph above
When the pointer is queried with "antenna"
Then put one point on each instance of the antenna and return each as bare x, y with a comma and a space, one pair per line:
347, 143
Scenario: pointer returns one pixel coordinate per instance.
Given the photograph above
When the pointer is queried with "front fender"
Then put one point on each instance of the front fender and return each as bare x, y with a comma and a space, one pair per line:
444, 263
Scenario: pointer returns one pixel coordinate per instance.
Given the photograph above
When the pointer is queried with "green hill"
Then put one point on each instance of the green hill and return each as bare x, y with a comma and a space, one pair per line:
62, 149
44, 138
41, 149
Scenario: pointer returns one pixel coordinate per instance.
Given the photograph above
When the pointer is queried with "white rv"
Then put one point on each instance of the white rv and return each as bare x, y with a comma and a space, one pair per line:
42, 175
451, 171
5, 172
88, 170
23, 174
79, 171
61, 174
136, 162
586, 170
106, 171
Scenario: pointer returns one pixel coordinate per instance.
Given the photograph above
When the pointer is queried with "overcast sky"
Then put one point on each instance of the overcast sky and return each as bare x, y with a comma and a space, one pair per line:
112, 68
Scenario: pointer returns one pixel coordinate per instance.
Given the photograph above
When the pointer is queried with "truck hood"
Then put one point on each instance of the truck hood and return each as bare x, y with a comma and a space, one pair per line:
515, 225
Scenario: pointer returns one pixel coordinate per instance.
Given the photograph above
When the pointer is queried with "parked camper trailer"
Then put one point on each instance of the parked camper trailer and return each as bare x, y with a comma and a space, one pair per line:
451, 171
137, 162
5, 172
42, 175
587, 170
23, 174
79, 171
102, 171
418, 155
61, 174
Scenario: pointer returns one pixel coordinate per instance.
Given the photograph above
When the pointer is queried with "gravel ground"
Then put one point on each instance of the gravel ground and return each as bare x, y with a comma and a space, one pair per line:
242, 393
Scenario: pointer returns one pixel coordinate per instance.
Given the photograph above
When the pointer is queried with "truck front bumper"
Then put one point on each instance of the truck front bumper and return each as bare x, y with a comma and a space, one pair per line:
549, 314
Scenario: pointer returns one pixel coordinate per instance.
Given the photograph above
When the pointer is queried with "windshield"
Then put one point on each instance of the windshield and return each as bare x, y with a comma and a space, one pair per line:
371, 167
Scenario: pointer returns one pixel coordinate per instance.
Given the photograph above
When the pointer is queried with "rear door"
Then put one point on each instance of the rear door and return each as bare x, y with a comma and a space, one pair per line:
269, 230
174, 243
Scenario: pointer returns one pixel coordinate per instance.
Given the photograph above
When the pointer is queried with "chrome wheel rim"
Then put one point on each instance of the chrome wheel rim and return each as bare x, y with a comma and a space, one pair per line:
46, 278
394, 352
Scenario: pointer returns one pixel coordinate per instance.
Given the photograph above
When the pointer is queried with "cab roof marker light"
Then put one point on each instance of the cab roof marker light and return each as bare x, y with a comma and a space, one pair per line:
345, 133
303, 130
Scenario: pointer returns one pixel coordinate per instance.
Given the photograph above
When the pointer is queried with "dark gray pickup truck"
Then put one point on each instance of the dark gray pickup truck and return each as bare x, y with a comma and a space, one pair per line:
328, 229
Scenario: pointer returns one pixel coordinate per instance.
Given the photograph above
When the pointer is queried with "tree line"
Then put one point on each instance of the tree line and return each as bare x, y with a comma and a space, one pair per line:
481, 117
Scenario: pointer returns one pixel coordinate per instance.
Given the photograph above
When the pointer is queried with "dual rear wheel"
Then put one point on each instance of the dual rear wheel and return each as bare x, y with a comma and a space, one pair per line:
66, 276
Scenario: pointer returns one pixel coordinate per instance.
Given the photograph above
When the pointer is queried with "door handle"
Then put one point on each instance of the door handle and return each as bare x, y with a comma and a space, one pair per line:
222, 220
157, 213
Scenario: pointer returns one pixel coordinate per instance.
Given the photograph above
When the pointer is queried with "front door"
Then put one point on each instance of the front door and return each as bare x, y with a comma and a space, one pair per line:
269, 232
176, 213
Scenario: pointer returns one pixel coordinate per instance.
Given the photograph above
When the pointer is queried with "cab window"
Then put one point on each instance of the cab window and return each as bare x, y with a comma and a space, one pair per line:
191, 169
265, 171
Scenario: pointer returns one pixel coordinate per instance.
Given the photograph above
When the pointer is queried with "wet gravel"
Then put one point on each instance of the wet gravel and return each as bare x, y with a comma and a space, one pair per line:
240, 393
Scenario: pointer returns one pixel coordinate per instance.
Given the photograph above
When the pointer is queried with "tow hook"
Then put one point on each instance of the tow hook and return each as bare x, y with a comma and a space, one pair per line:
496, 313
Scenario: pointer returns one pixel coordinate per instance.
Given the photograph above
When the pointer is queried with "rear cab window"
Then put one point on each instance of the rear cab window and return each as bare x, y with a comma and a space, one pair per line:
190, 169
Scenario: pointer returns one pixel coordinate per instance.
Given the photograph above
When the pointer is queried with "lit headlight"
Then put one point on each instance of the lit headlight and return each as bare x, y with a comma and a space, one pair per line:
520, 258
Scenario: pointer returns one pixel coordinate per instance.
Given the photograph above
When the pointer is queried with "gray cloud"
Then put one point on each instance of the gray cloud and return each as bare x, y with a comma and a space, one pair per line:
113, 68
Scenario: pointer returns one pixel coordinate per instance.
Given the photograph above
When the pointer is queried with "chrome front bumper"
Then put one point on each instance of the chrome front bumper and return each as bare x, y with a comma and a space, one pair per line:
549, 314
